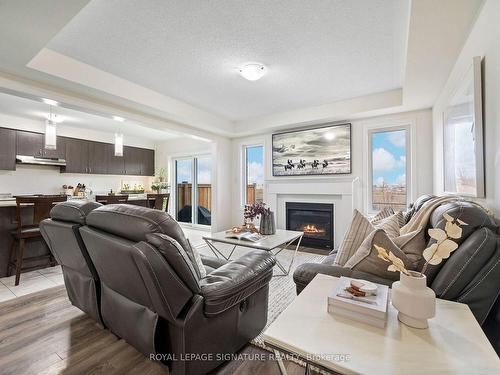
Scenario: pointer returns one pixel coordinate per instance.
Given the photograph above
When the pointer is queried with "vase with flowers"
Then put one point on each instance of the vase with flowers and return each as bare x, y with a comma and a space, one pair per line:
410, 295
267, 224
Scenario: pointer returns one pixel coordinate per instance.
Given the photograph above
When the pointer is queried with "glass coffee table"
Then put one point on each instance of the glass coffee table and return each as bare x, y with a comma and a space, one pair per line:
274, 243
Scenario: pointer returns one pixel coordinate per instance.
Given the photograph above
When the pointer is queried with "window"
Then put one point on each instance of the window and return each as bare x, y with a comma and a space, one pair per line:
194, 184
389, 166
254, 174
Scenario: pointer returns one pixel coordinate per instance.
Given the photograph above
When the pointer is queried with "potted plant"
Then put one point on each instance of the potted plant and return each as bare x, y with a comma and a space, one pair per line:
410, 295
267, 225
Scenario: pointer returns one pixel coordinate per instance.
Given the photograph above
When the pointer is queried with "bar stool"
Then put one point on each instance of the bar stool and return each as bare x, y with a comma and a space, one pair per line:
157, 201
26, 232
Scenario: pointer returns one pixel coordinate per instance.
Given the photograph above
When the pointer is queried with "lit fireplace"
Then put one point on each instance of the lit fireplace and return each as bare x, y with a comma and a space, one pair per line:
315, 220
312, 229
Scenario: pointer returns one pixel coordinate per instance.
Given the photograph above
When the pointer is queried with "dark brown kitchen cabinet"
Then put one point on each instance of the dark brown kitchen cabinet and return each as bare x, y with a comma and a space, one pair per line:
29, 143
115, 164
7, 149
133, 160
97, 158
77, 156
148, 162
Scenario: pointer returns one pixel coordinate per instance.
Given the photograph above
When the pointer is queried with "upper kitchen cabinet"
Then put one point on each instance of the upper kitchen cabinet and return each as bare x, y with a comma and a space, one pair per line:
97, 152
33, 144
148, 162
115, 164
7, 149
139, 161
133, 160
77, 156
29, 143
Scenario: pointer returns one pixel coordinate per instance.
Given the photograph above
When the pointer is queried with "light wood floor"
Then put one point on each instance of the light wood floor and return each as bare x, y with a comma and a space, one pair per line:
42, 333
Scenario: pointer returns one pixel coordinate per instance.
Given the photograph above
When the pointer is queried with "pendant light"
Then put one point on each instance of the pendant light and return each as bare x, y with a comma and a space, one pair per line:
50, 132
118, 144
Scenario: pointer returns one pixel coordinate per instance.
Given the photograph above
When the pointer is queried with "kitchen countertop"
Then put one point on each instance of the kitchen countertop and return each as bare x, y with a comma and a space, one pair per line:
11, 202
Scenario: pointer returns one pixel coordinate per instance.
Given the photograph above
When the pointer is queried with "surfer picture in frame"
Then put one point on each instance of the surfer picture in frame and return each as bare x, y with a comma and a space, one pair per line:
324, 150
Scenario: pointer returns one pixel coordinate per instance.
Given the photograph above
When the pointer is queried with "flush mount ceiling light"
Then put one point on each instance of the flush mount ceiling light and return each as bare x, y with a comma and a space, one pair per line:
252, 71
50, 102
118, 118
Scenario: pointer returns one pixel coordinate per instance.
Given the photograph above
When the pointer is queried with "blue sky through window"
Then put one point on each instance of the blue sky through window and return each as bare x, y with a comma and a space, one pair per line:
389, 158
255, 165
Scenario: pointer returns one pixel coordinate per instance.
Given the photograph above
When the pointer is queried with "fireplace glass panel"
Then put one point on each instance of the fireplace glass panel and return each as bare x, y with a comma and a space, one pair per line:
315, 220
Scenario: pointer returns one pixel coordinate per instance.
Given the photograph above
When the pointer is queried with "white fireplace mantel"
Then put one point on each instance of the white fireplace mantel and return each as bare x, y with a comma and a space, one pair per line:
339, 193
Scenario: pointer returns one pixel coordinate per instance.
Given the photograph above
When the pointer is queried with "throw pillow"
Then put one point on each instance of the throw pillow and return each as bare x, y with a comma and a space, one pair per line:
401, 218
385, 212
389, 224
413, 244
358, 230
366, 257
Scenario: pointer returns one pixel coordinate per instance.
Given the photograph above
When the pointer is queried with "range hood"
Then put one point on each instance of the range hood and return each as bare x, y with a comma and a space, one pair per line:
38, 160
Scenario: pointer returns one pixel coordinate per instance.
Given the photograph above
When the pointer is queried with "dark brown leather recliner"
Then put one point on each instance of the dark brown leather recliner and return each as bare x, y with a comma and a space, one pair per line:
154, 297
61, 233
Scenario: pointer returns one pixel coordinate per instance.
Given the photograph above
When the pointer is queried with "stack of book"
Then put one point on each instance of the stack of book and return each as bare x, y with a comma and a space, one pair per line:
360, 300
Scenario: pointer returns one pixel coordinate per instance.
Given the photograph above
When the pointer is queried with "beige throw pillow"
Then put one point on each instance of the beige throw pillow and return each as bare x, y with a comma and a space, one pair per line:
359, 229
408, 248
389, 224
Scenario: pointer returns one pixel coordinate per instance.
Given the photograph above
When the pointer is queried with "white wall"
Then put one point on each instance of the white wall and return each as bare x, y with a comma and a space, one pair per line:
421, 123
28, 179
483, 40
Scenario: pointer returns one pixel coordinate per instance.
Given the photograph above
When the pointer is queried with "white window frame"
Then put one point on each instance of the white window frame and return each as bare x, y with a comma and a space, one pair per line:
411, 171
243, 168
194, 193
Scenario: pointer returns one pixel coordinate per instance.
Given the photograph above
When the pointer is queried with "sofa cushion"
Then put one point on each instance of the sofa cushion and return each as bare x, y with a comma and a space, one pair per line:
366, 258
382, 214
359, 229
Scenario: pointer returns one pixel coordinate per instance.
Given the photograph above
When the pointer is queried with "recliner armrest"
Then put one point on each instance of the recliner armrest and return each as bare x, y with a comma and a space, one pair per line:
233, 282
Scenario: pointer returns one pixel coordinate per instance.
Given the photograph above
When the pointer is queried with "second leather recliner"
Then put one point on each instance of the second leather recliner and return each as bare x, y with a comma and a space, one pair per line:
153, 297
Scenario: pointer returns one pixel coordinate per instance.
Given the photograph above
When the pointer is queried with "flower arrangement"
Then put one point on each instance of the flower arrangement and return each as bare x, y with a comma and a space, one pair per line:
435, 253
255, 209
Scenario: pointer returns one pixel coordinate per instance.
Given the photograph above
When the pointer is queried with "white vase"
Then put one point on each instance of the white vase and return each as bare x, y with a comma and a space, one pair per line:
414, 301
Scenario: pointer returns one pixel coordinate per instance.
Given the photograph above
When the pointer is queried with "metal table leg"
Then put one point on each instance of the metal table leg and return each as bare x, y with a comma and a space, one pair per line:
285, 271
217, 252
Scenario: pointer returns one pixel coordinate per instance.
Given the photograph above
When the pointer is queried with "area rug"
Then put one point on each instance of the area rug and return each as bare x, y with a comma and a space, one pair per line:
281, 288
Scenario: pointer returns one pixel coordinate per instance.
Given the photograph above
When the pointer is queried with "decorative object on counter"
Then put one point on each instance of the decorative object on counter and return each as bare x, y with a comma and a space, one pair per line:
161, 175
79, 190
159, 187
137, 189
68, 190
412, 298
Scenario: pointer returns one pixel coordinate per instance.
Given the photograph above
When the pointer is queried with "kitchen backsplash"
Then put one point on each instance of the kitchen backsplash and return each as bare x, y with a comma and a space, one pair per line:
28, 179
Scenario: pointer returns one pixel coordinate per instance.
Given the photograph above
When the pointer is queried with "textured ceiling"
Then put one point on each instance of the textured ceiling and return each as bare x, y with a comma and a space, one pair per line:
26, 108
317, 51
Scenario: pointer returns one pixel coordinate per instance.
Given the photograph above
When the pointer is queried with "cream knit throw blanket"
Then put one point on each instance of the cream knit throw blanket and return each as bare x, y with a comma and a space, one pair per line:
422, 216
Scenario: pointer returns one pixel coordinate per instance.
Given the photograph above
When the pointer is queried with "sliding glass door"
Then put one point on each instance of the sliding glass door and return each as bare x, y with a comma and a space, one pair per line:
193, 190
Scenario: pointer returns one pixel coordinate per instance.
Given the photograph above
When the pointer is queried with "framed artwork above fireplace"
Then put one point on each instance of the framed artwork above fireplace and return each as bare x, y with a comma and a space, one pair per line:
319, 151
